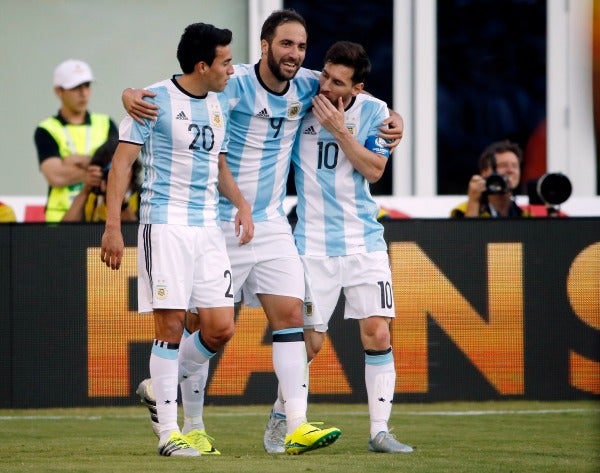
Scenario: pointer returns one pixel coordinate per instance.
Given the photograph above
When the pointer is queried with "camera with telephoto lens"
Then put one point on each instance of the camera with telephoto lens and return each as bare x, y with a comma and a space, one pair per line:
496, 184
551, 189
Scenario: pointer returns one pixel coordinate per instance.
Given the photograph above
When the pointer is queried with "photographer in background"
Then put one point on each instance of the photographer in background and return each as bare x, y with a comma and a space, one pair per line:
490, 192
90, 204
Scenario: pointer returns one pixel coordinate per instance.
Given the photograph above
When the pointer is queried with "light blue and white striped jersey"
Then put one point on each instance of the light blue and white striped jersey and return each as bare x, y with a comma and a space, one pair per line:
336, 214
180, 155
262, 132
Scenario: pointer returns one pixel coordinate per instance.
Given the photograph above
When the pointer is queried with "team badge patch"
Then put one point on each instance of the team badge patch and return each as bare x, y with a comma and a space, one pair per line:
294, 109
216, 120
161, 292
351, 128
308, 308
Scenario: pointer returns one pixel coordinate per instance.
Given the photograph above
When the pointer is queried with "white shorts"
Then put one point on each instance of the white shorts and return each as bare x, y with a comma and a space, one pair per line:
181, 267
366, 280
268, 264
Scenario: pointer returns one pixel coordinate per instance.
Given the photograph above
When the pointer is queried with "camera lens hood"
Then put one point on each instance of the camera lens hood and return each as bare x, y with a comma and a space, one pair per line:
554, 188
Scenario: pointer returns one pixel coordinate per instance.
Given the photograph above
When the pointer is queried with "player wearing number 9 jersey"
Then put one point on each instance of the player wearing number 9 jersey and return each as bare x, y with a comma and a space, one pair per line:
265, 126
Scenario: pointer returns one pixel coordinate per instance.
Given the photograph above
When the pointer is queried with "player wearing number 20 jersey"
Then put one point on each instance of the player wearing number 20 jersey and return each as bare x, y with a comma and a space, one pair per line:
336, 214
181, 158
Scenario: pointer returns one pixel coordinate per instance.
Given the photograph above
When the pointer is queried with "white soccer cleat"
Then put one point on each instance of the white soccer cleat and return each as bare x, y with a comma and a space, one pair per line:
144, 391
384, 442
274, 438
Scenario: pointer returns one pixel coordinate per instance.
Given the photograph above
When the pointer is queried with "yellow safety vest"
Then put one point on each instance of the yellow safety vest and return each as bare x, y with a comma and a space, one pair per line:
81, 139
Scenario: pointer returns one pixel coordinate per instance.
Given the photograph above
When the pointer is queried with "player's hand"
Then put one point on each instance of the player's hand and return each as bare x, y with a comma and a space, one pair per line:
392, 130
111, 252
244, 225
137, 107
331, 117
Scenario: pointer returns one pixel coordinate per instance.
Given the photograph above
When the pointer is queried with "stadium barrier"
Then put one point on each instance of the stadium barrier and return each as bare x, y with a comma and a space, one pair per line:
485, 310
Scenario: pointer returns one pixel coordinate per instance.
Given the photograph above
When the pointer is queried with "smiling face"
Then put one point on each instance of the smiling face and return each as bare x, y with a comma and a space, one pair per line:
285, 54
507, 164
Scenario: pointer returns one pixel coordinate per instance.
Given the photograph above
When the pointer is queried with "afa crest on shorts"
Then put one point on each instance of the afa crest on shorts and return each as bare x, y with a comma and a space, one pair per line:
161, 292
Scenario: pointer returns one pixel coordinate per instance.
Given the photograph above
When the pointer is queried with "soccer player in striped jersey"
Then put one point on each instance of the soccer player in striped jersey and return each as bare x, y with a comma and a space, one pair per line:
179, 222
267, 102
336, 156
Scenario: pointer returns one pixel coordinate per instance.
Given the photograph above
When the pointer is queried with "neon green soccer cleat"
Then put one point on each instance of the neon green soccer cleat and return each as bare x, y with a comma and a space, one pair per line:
177, 446
309, 437
202, 442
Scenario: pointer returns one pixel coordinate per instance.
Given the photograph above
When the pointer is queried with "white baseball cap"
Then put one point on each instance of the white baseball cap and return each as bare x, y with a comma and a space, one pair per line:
71, 73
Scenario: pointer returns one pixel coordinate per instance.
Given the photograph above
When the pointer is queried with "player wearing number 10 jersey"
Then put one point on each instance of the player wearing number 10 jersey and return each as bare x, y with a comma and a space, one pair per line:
336, 156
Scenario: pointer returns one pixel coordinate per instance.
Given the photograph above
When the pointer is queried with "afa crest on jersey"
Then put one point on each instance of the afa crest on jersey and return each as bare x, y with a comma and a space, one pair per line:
294, 109
351, 128
216, 119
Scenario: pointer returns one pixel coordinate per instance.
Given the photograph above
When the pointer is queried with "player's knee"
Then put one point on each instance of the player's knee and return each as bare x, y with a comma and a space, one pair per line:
375, 334
226, 334
295, 316
217, 339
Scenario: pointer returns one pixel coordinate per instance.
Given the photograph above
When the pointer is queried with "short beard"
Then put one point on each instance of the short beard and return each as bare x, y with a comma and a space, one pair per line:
275, 70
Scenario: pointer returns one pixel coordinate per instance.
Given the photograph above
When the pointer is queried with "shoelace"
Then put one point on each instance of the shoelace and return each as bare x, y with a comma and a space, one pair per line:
277, 433
180, 442
202, 437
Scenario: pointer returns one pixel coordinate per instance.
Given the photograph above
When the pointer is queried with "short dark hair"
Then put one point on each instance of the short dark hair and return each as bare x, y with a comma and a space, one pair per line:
103, 157
488, 157
352, 55
198, 43
279, 17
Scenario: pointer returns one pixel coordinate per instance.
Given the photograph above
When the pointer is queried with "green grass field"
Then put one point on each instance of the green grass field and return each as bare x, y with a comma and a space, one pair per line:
503, 437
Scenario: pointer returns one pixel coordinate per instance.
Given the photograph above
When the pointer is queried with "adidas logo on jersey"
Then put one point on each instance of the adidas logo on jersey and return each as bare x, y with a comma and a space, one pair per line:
263, 113
309, 131
181, 116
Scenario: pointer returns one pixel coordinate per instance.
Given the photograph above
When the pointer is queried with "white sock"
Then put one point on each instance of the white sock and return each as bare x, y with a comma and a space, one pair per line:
194, 358
163, 371
380, 380
279, 405
192, 398
289, 362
